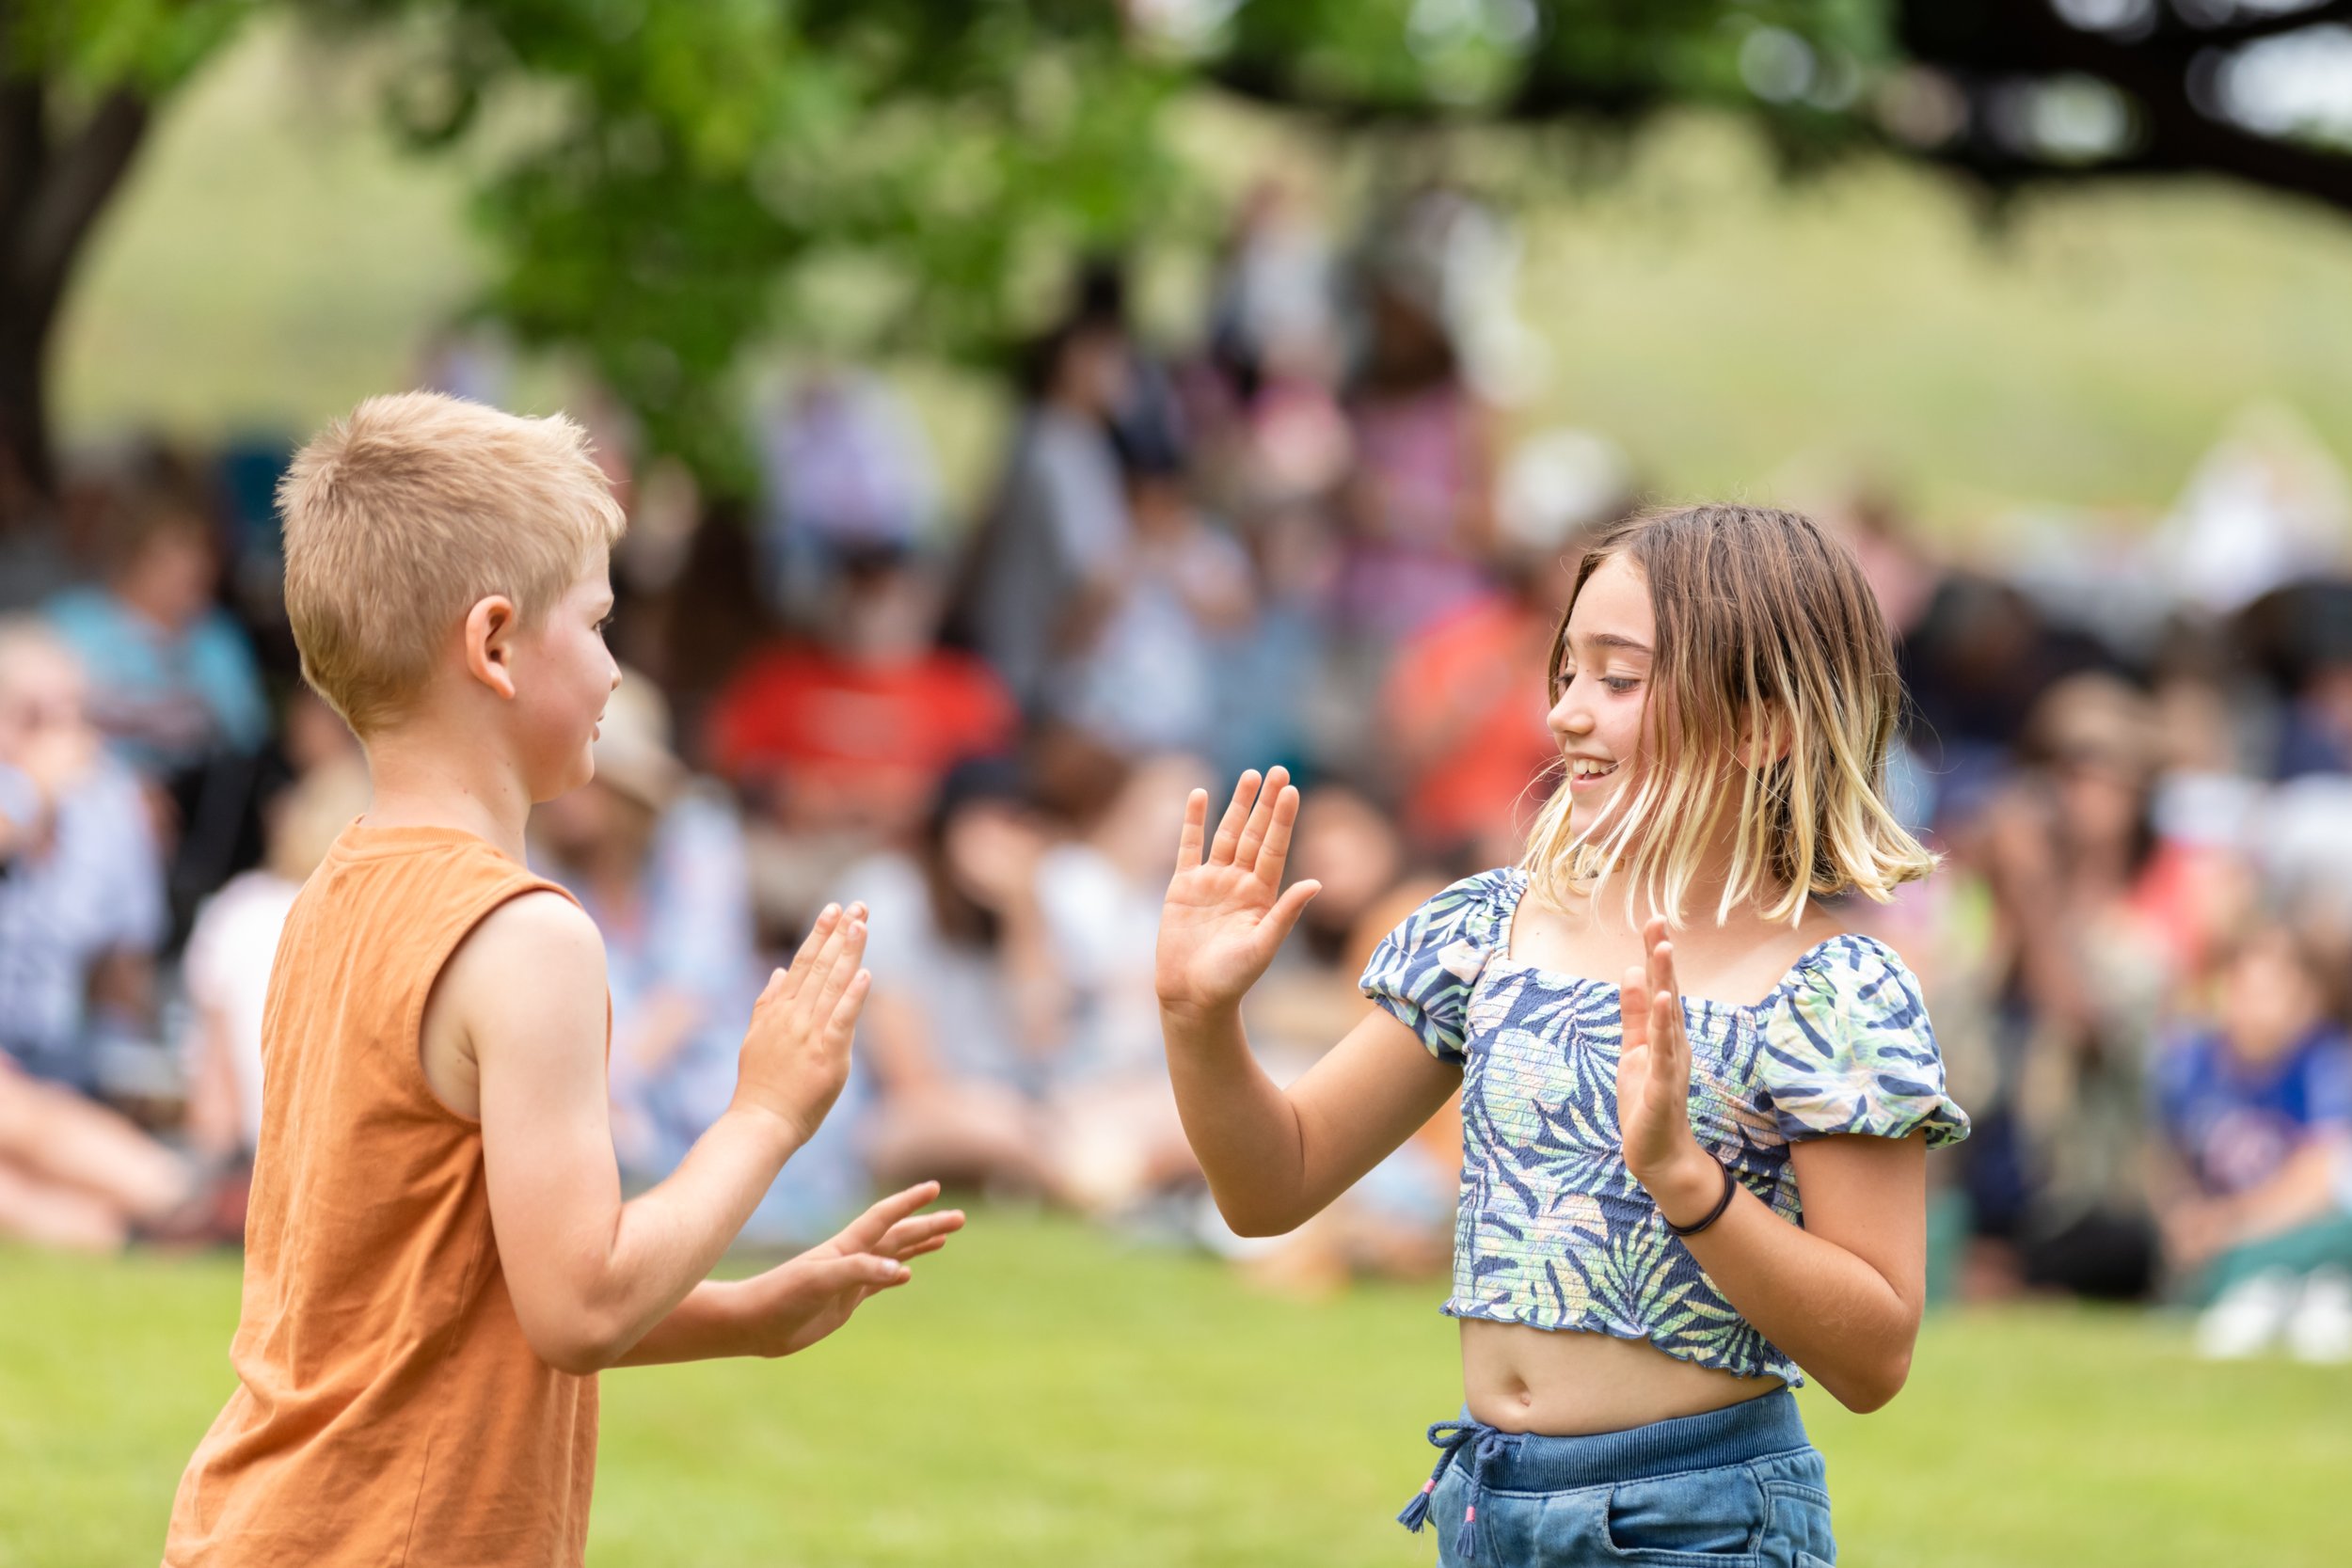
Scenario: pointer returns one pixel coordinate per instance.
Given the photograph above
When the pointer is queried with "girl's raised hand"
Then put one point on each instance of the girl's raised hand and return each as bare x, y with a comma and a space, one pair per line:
1654, 1081
1227, 911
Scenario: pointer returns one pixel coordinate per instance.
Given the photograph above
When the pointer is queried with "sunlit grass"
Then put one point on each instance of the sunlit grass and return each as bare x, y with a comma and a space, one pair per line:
1043, 1394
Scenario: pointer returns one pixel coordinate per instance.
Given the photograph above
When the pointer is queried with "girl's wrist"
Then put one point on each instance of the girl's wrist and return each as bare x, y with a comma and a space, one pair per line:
1687, 1187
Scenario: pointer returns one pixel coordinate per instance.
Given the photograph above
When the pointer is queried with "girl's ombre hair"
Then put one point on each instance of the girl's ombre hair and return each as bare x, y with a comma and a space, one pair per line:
1772, 697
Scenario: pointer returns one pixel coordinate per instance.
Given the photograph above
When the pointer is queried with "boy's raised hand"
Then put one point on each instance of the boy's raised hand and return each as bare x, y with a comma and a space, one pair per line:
1227, 911
795, 1056
796, 1303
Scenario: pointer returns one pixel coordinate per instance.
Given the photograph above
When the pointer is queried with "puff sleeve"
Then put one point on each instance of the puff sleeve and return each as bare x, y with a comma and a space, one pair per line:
1423, 971
1847, 1048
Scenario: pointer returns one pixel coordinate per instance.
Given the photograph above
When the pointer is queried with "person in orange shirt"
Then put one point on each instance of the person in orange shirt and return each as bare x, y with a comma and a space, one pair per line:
438, 1260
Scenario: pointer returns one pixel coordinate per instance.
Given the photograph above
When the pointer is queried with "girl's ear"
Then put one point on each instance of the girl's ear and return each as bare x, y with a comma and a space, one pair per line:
1764, 736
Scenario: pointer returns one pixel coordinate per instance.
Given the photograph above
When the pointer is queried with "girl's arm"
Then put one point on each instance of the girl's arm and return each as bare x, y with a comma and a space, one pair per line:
1272, 1158
1842, 1294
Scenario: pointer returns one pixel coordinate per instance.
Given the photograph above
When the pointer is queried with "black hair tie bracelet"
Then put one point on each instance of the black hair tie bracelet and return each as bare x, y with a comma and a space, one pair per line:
1731, 1185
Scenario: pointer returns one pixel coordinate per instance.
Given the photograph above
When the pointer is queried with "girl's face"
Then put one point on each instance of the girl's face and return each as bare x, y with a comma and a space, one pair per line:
1604, 678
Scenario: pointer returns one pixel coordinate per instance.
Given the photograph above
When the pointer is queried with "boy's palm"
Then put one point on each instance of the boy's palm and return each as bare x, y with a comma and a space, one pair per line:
1227, 912
795, 1056
807, 1298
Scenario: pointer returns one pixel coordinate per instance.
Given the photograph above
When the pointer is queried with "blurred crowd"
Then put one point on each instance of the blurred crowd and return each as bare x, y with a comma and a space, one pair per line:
1306, 533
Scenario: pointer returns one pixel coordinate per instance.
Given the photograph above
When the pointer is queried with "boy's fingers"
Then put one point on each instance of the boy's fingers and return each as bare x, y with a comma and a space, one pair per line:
1237, 812
841, 968
843, 1021
1196, 821
859, 1272
923, 1232
861, 1233
786, 982
1260, 818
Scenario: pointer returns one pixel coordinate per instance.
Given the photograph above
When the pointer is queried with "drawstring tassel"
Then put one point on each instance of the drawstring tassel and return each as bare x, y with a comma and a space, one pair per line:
1450, 1438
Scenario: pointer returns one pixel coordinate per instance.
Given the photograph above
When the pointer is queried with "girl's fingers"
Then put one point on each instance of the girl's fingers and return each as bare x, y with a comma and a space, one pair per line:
1253, 832
1237, 812
1633, 1012
1668, 1065
1276, 851
1285, 912
1196, 820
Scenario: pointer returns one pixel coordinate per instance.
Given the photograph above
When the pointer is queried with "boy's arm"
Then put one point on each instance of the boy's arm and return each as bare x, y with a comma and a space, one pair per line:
794, 1305
589, 1274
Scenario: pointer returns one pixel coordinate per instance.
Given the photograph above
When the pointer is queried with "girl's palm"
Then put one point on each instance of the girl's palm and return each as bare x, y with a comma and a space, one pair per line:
1227, 911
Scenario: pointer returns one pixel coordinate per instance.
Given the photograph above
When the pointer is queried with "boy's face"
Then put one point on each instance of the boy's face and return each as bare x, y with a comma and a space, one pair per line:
563, 674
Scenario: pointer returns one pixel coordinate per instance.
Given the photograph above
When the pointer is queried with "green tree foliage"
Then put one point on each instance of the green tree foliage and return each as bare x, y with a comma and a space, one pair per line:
668, 182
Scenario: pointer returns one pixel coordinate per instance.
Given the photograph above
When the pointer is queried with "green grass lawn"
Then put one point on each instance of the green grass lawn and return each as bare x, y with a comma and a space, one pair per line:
1043, 1395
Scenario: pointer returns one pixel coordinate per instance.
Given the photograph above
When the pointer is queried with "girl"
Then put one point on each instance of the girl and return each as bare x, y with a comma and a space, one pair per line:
1670, 1203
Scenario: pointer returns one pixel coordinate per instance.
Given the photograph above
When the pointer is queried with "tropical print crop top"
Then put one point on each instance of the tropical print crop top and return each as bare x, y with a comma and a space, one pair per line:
1553, 1232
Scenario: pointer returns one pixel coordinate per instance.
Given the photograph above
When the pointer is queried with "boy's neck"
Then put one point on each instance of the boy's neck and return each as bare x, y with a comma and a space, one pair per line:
422, 778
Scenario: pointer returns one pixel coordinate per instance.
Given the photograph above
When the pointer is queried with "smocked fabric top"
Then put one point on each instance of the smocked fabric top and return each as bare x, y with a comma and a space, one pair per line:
1553, 1232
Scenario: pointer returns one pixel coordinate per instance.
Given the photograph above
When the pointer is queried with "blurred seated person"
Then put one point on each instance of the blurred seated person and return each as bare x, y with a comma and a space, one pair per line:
1419, 503
1145, 676
81, 881
851, 732
76, 1175
659, 863
1122, 1148
967, 1014
1398, 1221
1049, 554
2249, 1186
225, 968
2086, 971
1463, 704
172, 679
848, 470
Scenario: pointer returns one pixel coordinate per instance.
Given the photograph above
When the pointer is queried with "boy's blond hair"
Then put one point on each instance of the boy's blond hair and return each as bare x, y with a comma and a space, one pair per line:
1768, 633
403, 516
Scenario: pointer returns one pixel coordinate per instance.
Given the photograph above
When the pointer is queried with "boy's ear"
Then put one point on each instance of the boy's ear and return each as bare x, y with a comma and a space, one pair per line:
490, 627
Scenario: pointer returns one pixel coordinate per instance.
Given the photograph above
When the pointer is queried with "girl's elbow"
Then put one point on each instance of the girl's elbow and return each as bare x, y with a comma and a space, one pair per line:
1863, 1389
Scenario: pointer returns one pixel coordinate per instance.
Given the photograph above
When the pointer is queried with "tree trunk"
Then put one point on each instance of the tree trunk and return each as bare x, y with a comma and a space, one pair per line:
52, 187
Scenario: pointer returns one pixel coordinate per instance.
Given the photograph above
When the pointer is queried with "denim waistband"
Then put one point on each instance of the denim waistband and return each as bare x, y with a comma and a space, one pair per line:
1530, 1462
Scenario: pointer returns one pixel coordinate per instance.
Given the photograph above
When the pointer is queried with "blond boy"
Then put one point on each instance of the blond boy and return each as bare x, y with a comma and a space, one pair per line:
438, 1258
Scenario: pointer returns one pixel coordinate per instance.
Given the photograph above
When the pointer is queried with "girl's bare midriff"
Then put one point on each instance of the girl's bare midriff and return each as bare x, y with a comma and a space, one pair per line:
1570, 1384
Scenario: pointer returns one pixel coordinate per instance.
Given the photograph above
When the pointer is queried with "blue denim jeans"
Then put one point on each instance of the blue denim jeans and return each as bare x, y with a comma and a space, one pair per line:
1741, 1487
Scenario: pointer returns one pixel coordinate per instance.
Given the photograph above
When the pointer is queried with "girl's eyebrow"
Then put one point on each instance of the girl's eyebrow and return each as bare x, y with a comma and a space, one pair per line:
1611, 639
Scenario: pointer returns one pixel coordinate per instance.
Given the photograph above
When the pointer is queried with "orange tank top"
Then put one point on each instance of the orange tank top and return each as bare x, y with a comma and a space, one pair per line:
389, 1410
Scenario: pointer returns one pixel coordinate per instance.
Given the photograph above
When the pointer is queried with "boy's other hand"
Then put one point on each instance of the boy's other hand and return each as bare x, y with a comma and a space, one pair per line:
1227, 909
794, 1305
795, 1056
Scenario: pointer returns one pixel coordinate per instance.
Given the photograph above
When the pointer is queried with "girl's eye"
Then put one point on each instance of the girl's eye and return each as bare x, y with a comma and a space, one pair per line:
604, 626
1620, 683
